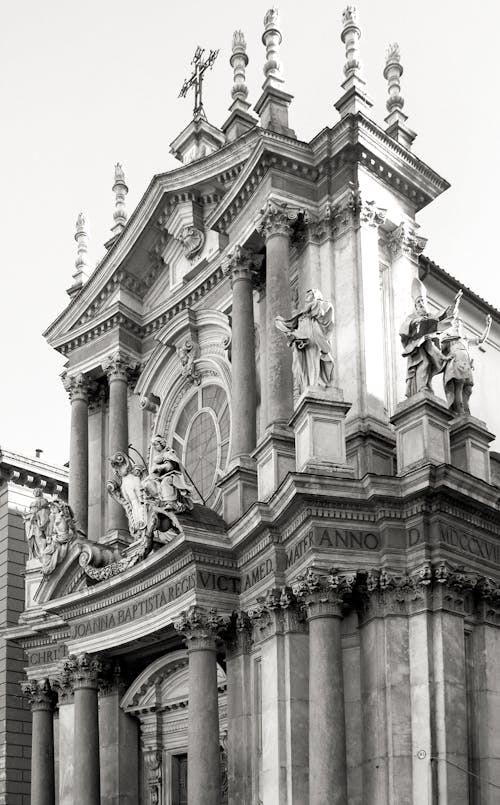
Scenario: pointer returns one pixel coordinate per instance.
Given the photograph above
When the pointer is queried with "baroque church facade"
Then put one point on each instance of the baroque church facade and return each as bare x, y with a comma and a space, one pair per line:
276, 577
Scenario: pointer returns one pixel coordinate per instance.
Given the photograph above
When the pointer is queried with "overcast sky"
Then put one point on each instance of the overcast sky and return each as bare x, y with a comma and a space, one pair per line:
84, 85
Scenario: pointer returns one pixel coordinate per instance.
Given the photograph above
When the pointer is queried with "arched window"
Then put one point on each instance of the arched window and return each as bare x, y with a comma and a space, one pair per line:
201, 438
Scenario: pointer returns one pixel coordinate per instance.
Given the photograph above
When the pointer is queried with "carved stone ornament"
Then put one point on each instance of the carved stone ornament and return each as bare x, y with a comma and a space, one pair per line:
153, 765
78, 386
324, 594
277, 612
39, 693
36, 524
201, 628
192, 240
119, 367
405, 241
276, 218
82, 671
151, 501
188, 353
60, 533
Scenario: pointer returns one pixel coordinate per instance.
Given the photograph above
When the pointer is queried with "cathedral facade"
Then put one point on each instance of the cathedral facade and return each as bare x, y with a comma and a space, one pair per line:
276, 577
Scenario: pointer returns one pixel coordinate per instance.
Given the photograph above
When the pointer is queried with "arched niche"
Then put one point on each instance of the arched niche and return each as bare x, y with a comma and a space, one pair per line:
159, 699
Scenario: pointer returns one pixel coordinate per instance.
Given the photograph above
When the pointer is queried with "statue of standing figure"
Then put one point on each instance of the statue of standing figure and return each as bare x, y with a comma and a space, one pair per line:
458, 378
36, 524
420, 340
309, 333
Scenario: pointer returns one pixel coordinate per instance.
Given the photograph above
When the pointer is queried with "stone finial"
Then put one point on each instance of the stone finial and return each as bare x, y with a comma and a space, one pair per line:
82, 260
350, 36
120, 190
272, 39
396, 119
354, 98
239, 61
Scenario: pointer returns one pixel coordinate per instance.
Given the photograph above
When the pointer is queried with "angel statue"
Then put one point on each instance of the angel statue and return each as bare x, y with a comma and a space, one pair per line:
420, 339
458, 378
309, 332
166, 483
36, 523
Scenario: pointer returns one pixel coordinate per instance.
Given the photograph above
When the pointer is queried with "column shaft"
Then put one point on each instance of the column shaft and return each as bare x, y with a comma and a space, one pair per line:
118, 440
42, 756
87, 773
243, 366
79, 461
203, 728
327, 754
279, 355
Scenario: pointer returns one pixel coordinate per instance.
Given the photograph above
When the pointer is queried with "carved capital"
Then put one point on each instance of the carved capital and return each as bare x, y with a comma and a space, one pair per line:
39, 694
238, 635
323, 595
404, 241
82, 671
119, 367
278, 612
276, 218
110, 680
372, 215
200, 628
78, 386
242, 264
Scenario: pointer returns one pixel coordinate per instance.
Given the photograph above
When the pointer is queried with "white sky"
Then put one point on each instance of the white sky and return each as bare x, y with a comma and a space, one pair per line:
84, 85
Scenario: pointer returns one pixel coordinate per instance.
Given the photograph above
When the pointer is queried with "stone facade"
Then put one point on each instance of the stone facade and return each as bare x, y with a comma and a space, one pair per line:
312, 613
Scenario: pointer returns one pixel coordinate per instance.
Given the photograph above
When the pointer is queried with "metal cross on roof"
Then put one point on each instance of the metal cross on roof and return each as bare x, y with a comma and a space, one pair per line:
196, 79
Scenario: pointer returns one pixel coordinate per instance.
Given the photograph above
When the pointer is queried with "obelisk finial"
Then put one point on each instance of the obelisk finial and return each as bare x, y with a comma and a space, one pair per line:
82, 260
238, 62
396, 119
239, 120
273, 68
272, 106
355, 98
120, 190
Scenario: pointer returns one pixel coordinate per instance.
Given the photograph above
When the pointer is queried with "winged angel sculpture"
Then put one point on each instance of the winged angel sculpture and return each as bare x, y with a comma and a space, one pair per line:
151, 501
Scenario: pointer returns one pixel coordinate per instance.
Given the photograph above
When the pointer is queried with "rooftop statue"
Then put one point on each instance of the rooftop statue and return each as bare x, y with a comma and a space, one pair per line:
309, 333
165, 486
419, 336
36, 524
458, 378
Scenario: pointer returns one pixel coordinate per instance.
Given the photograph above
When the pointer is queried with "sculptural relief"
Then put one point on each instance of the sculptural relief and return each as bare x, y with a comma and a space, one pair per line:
309, 333
165, 486
36, 524
61, 533
420, 339
458, 378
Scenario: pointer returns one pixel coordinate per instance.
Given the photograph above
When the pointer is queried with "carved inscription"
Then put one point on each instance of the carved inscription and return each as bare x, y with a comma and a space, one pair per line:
336, 538
139, 608
256, 574
469, 543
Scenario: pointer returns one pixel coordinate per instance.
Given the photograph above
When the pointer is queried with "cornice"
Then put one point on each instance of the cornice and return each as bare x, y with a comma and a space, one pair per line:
26, 471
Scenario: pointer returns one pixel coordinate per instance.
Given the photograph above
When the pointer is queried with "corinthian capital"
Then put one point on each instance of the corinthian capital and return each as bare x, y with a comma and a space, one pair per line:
371, 214
39, 693
324, 594
81, 671
276, 218
405, 241
118, 366
242, 263
200, 628
77, 386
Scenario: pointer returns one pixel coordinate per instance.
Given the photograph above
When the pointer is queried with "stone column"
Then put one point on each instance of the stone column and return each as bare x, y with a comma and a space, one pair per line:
276, 452
241, 264
322, 596
239, 710
275, 226
83, 671
200, 630
77, 387
117, 368
41, 697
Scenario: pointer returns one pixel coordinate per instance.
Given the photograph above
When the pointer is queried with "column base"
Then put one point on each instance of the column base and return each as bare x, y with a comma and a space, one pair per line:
275, 457
469, 444
239, 488
371, 447
422, 432
318, 425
